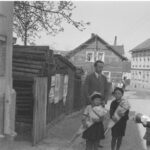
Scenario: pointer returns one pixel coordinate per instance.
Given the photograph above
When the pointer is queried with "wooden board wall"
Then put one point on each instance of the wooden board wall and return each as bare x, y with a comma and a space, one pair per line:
40, 105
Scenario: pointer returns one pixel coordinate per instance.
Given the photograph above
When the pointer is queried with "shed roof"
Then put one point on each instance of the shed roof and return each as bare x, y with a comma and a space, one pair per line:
65, 61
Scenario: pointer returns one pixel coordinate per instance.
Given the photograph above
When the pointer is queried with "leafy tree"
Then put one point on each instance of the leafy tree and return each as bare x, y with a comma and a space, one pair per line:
31, 17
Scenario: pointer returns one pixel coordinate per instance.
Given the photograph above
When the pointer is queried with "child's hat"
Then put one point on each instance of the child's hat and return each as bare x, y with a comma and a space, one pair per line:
95, 95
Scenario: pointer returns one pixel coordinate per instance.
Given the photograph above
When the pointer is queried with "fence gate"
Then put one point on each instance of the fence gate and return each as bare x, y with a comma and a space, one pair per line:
39, 111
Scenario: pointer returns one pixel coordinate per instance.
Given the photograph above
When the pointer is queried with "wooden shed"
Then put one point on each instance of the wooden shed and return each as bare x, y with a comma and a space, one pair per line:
32, 69
47, 87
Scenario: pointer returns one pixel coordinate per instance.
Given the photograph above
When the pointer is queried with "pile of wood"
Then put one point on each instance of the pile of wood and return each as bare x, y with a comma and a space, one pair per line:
25, 99
31, 61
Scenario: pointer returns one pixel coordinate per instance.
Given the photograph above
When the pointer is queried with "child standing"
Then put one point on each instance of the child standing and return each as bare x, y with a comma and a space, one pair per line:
118, 130
94, 133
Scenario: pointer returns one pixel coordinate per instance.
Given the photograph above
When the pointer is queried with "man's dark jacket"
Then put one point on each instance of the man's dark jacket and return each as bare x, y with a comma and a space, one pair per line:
92, 83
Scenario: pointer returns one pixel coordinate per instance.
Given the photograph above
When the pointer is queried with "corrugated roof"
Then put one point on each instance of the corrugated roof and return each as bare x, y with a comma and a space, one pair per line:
143, 46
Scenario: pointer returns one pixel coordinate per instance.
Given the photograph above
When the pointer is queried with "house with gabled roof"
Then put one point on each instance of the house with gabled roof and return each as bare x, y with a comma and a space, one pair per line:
95, 48
140, 65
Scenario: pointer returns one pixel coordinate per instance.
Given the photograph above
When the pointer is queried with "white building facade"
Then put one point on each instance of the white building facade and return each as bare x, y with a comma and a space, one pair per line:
140, 66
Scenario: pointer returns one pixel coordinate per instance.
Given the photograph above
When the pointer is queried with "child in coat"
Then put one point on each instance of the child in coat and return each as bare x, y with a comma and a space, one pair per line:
94, 113
118, 130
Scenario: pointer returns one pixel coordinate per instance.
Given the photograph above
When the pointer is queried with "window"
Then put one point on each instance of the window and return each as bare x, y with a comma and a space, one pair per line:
100, 56
89, 56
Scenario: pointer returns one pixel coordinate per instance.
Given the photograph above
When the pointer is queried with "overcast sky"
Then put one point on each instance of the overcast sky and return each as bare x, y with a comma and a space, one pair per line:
129, 21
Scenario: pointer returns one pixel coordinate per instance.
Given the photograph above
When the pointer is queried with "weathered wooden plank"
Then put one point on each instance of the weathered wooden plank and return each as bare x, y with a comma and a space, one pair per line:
23, 119
24, 108
25, 92
40, 105
30, 57
22, 89
20, 78
17, 72
24, 97
28, 61
35, 49
19, 69
29, 66
23, 85
31, 75
28, 103
26, 82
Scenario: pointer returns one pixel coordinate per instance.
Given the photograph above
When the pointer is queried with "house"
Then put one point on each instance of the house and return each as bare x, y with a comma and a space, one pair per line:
95, 48
140, 65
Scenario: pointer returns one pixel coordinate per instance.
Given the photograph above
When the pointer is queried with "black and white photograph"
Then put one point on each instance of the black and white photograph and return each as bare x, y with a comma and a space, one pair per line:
74, 75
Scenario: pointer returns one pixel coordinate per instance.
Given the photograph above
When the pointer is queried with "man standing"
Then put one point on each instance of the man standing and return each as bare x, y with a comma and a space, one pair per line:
96, 81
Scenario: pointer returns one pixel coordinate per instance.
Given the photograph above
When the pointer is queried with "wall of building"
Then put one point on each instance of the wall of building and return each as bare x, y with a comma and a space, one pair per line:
7, 94
140, 69
113, 63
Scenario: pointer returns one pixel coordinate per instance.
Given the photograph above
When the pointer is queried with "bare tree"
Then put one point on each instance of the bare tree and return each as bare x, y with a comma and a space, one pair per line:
31, 17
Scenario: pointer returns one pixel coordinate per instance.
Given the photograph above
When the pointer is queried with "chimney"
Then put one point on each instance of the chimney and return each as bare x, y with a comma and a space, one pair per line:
92, 34
115, 41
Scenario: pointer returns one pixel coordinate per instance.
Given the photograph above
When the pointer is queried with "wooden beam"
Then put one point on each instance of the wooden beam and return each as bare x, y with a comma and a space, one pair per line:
27, 61
28, 66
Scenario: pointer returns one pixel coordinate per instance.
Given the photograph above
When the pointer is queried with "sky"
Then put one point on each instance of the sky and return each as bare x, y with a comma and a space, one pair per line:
128, 20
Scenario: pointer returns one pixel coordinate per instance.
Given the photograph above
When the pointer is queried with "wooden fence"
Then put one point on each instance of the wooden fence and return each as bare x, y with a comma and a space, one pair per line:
39, 111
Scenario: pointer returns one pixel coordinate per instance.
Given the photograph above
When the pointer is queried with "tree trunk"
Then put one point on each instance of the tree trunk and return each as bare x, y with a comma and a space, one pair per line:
25, 37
